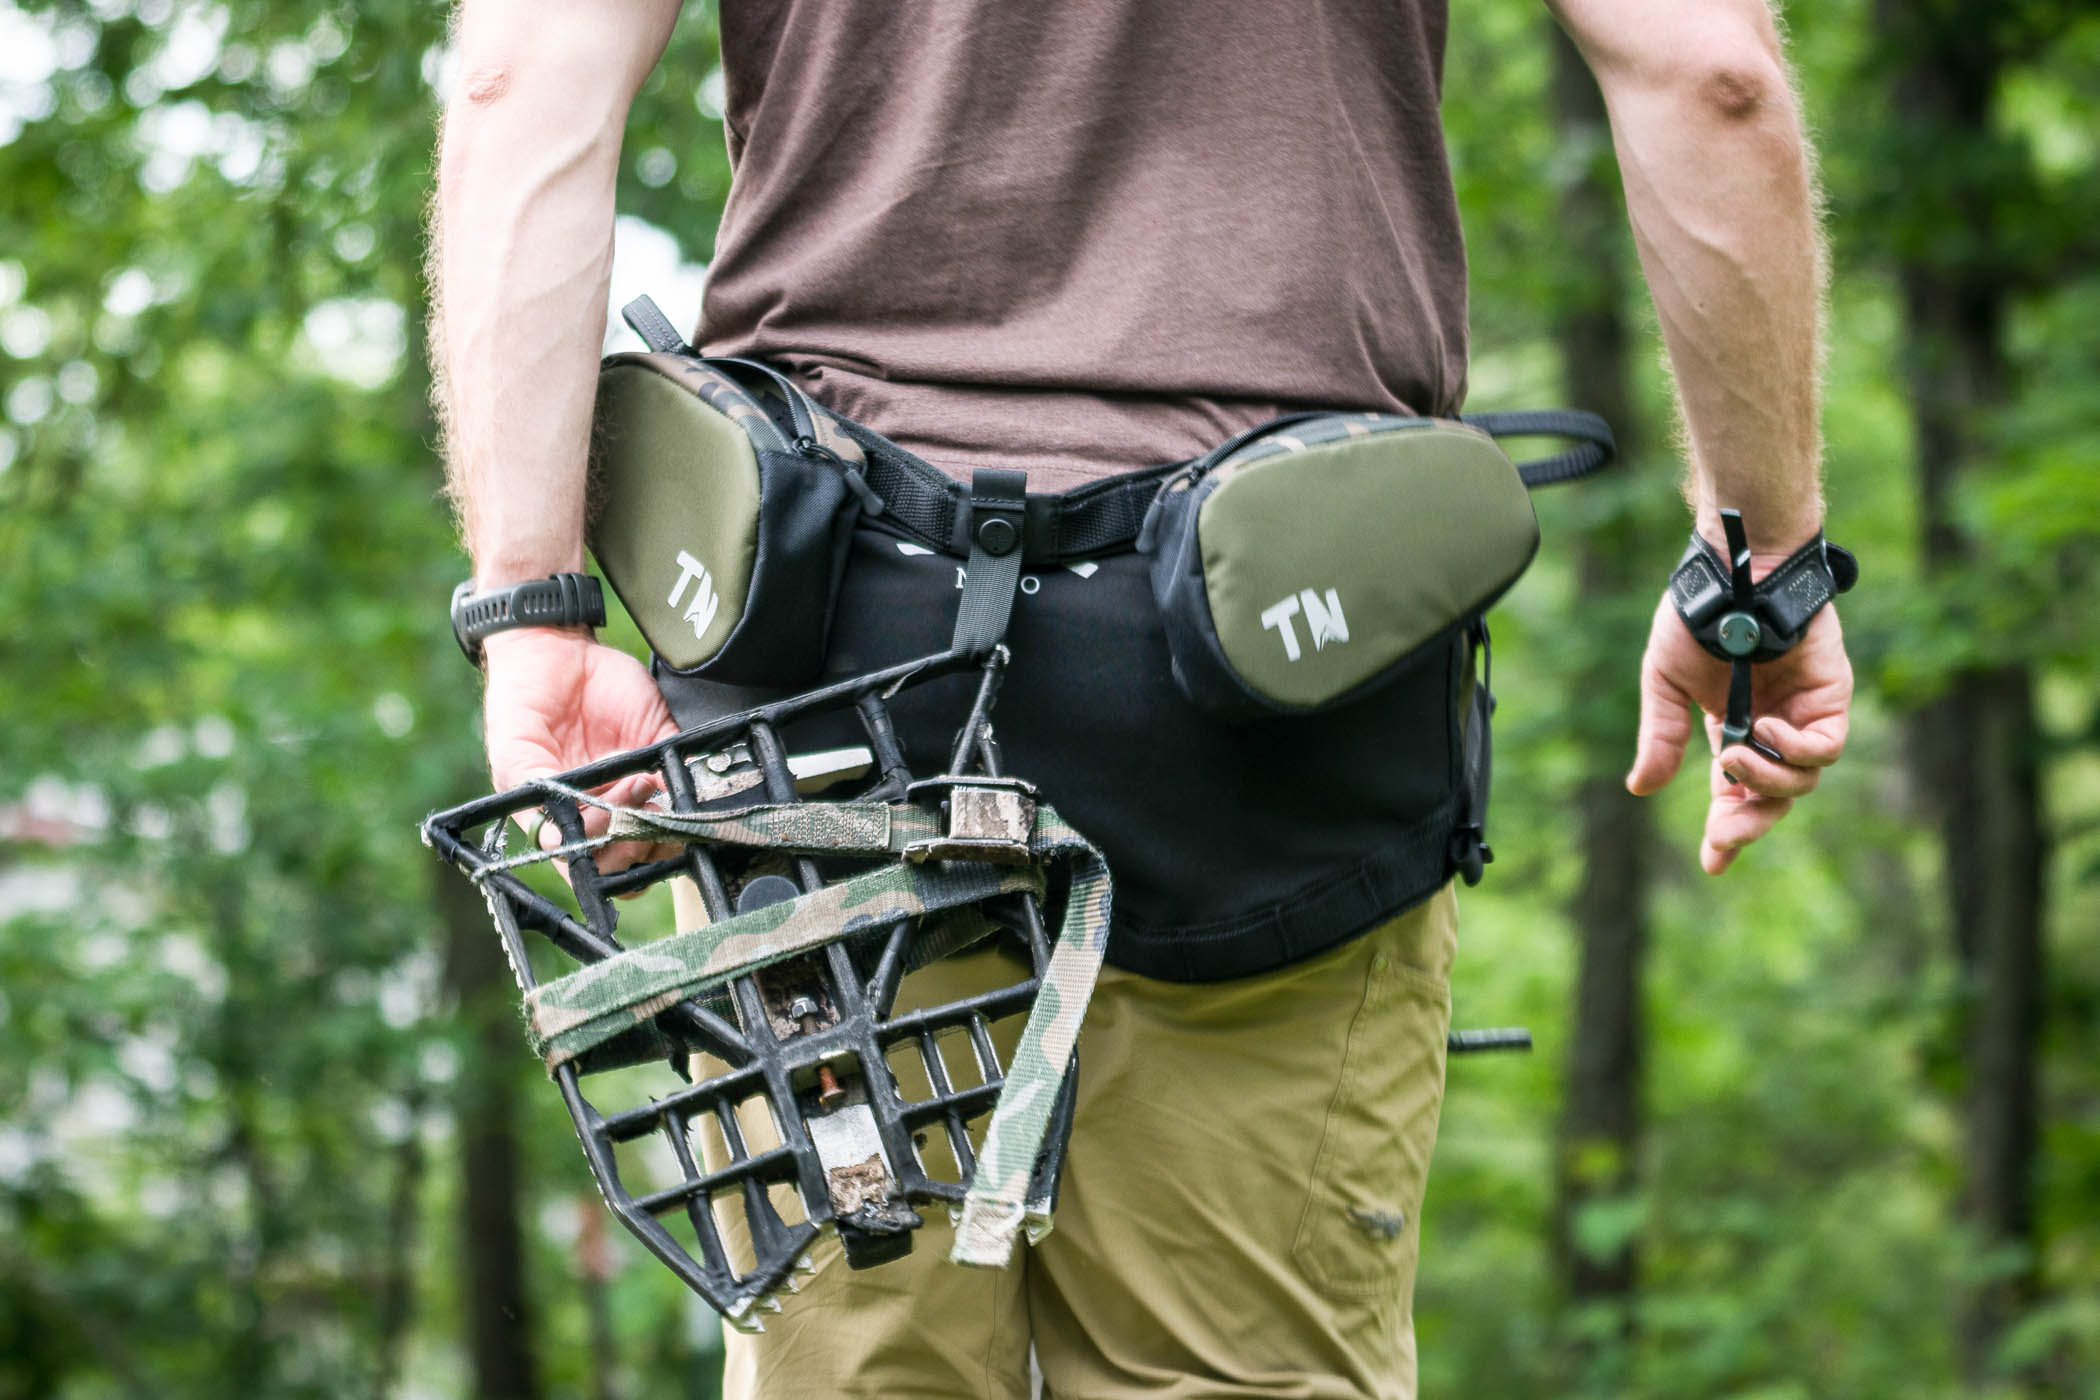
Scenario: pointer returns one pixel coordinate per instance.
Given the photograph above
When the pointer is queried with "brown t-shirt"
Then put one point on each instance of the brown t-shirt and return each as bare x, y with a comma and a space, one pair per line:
1085, 236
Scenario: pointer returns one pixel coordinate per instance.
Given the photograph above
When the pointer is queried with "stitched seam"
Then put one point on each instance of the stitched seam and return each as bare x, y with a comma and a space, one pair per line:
1380, 986
1329, 1130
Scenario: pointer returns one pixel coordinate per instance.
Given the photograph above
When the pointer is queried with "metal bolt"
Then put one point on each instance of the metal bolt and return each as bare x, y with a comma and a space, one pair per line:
803, 1010
1739, 634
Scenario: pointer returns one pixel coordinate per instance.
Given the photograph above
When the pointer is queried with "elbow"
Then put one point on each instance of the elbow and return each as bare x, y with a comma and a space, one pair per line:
1713, 62
484, 85
1737, 84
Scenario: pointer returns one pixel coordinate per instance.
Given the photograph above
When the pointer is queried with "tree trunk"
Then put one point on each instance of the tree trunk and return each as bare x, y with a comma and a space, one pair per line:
594, 1269
397, 1276
1600, 1126
494, 1301
1975, 749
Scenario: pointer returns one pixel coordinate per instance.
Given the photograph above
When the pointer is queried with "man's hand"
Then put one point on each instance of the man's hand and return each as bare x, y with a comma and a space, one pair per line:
557, 700
526, 173
1801, 702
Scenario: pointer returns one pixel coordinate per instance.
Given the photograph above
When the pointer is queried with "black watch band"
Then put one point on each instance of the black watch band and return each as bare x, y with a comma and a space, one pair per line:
559, 600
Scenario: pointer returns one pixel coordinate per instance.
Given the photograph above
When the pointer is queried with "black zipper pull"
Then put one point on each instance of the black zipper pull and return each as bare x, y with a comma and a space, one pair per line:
870, 503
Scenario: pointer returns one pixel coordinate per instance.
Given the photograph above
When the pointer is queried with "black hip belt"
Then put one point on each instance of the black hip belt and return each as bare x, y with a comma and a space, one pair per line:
728, 498
723, 496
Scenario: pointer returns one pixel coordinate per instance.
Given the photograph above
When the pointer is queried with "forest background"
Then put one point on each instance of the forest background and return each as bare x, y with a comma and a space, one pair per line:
1826, 1127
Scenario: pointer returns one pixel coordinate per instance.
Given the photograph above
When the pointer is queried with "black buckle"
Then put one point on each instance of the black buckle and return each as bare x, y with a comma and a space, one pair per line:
1470, 853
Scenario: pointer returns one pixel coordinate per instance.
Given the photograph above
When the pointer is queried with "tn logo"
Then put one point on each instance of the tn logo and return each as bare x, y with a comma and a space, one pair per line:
706, 601
1323, 618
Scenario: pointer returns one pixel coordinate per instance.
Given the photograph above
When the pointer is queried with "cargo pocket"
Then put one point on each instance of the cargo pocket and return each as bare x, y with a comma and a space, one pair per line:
1359, 1234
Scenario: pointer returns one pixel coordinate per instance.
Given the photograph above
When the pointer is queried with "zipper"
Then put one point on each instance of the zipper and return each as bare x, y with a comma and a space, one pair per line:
801, 412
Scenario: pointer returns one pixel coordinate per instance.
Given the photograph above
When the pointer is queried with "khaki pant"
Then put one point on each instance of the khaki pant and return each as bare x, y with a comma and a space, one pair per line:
1240, 1208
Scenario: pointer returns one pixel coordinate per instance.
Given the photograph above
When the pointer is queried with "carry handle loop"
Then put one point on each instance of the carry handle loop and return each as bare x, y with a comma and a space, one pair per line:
1594, 450
647, 320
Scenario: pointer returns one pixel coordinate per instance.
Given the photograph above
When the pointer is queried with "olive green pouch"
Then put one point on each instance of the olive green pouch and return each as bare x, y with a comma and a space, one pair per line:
723, 502
1303, 563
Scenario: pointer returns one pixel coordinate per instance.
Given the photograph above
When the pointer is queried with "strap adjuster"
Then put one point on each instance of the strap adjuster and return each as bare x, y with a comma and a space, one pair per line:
988, 819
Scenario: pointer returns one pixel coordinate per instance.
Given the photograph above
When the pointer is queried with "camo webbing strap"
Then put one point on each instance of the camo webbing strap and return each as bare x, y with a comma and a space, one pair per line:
590, 1006
569, 1016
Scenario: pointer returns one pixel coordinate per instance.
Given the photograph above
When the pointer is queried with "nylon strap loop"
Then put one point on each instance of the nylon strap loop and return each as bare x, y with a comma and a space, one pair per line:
995, 523
647, 320
1595, 446
997, 1206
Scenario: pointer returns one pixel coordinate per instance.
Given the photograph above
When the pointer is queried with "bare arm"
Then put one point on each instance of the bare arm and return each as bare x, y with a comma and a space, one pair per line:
1720, 189
522, 255
526, 170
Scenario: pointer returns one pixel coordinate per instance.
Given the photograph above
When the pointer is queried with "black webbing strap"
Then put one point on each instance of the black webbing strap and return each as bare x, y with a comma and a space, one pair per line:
1105, 516
997, 508
1098, 518
1470, 852
1594, 444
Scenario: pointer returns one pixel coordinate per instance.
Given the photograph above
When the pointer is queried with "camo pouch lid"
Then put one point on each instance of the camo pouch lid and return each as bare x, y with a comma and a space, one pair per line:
1301, 566
720, 514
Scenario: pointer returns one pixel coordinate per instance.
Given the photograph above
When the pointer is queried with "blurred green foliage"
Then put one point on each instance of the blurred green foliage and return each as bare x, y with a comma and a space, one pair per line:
229, 694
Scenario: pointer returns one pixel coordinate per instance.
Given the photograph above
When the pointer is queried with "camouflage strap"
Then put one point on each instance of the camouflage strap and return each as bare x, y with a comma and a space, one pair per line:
590, 1006
795, 828
998, 1204
792, 828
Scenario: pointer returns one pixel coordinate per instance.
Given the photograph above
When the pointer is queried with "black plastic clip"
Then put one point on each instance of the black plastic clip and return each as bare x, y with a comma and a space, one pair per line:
1471, 855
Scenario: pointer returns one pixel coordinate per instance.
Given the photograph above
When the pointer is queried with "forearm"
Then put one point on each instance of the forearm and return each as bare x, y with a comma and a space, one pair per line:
1720, 190
523, 230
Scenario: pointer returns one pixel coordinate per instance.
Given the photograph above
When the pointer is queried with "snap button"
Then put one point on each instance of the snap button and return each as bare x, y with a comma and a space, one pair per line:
998, 536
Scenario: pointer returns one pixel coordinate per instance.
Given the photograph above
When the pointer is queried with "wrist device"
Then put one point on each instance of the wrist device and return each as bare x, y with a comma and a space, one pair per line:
1743, 623
559, 600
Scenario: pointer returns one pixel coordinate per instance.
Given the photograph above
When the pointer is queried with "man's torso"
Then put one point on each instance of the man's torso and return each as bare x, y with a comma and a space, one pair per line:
1089, 237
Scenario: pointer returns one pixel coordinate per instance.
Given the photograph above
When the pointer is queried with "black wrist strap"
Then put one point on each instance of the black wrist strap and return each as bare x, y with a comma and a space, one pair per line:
1711, 592
1744, 623
559, 600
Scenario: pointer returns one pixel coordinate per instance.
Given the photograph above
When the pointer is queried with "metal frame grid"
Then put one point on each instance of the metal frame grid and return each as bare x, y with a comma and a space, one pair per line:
828, 1054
